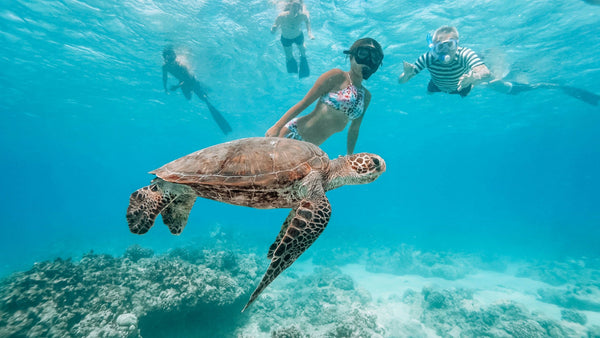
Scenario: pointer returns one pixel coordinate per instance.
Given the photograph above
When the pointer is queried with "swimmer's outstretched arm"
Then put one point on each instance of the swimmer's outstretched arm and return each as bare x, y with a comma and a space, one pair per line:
409, 72
476, 76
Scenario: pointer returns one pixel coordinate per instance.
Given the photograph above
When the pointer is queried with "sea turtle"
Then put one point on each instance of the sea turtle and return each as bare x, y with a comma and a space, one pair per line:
256, 172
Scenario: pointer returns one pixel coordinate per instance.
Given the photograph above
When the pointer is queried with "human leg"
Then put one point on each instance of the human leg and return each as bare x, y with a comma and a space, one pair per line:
290, 62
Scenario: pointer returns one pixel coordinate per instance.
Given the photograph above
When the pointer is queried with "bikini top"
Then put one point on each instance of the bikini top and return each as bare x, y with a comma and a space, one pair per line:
350, 101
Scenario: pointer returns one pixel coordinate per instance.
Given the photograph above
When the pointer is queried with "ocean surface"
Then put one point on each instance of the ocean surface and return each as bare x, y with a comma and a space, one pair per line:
489, 199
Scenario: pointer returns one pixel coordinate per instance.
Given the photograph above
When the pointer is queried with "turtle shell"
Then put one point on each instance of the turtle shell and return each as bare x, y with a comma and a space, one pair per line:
247, 163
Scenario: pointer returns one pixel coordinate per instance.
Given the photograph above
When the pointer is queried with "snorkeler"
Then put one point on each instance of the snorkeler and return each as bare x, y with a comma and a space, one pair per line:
453, 69
188, 84
290, 21
341, 99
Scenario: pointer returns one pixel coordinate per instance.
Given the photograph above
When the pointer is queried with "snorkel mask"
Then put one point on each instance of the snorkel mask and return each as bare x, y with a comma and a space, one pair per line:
369, 56
441, 50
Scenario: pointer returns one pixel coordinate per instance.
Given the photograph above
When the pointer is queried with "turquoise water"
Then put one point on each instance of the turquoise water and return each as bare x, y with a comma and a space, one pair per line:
84, 118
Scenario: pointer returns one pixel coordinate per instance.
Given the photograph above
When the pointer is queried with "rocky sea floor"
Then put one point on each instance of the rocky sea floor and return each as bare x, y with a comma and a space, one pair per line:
400, 292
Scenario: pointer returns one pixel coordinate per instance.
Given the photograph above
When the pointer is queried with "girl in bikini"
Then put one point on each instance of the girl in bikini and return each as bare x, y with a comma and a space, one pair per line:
341, 96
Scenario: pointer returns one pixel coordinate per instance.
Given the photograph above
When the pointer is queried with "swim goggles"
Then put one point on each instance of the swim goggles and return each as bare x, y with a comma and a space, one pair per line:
366, 55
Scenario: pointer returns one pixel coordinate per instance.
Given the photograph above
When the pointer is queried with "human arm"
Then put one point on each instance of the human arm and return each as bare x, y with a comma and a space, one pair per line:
500, 85
165, 78
276, 25
409, 71
476, 76
308, 30
355, 126
177, 86
323, 84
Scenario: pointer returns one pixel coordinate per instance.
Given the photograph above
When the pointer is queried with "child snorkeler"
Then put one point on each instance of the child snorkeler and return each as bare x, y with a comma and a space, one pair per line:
188, 84
290, 21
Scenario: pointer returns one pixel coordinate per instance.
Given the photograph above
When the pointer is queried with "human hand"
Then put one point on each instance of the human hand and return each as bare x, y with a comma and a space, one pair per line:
408, 72
465, 81
272, 132
409, 69
310, 36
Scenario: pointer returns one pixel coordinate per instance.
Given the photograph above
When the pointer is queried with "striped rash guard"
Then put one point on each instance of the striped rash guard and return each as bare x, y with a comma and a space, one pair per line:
445, 75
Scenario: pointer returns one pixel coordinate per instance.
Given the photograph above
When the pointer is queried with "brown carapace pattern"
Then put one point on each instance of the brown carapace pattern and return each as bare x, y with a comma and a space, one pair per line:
260, 173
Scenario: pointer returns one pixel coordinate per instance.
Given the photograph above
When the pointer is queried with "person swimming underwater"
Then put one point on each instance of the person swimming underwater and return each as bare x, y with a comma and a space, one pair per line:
188, 84
341, 99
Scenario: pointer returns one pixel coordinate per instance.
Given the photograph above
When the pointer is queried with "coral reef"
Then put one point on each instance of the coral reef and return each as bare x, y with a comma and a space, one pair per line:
403, 260
322, 304
573, 316
455, 313
574, 285
200, 292
556, 273
104, 296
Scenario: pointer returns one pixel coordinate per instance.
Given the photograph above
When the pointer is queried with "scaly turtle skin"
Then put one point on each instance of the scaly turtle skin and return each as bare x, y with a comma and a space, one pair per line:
255, 172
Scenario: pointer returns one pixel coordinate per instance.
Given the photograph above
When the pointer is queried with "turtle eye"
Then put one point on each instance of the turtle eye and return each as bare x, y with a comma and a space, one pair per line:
376, 161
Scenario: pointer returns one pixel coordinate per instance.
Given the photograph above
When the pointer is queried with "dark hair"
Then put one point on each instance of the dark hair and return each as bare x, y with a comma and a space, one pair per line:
167, 51
365, 42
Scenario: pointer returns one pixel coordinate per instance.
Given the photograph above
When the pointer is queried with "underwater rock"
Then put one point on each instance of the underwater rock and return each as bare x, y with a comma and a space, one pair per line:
584, 298
573, 316
454, 313
405, 260
287, 332
104, 296
524, 328
594, 332
438, 299
136, 252
127, 319
556, 273
324, 303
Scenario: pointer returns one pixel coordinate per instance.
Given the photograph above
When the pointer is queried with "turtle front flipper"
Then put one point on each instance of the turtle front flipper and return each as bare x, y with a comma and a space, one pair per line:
284, 227
175, 215
144, 205
310, 219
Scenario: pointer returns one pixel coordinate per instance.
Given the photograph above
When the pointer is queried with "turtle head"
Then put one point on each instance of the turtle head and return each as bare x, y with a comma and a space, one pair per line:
355, 169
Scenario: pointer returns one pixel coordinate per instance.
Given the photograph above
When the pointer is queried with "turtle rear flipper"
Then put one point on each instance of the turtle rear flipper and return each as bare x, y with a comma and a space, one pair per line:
144, 205
175, 215
309, 221
284, 227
